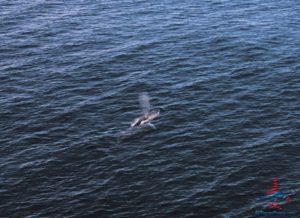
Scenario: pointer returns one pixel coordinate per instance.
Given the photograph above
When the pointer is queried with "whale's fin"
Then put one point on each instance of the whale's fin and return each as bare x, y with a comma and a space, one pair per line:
152, 125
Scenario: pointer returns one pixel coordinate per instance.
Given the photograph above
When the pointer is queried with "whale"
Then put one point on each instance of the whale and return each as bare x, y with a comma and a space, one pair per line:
146, 118
148, 115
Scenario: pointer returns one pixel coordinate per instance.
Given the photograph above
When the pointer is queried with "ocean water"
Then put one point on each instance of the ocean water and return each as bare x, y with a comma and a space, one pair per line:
225, 74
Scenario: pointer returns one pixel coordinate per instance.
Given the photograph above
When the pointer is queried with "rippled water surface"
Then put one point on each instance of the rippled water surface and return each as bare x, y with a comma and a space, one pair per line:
225, 74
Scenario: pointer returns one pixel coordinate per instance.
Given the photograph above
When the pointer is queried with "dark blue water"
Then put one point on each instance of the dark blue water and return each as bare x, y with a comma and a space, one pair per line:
225, 73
